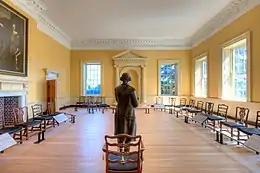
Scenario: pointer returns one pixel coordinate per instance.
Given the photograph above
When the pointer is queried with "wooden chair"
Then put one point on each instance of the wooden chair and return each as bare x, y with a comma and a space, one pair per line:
30, 125
12, 129
38, 114
221, 115
122, 157
249, 131
177, 108
240, 121
192, 111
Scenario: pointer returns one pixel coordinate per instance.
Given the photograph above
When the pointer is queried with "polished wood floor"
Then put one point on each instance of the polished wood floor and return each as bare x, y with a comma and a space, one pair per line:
171, 147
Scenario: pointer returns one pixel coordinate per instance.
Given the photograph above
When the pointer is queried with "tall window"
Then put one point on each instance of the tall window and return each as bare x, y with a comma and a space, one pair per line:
234, 71
201, 77
92, 78
168, 79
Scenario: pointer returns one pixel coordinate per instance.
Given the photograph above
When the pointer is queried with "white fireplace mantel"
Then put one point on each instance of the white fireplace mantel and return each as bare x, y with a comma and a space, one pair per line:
14, 86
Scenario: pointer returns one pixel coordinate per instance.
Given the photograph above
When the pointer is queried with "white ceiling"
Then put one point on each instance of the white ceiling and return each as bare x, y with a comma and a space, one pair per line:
133, 24
131, 19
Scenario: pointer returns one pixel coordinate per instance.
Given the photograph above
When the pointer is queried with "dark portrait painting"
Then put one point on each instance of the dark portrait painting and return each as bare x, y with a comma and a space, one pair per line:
13, 41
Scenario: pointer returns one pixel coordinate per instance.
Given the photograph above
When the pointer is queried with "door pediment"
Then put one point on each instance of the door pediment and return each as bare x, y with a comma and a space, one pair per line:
129, 58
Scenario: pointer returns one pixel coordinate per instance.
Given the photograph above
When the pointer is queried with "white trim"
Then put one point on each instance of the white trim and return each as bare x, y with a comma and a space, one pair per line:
83, 63
201, 57
247, 36
167, 62
35, 9
230, 13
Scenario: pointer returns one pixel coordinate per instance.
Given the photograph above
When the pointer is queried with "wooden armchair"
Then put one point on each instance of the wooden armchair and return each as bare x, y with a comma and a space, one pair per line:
123, 157
30, 125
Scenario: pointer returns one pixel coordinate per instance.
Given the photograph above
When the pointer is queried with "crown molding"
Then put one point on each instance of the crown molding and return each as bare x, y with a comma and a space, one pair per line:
137, 44
229, 14
35, 9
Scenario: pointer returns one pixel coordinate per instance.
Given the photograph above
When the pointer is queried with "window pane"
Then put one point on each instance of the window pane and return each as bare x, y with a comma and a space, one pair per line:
240, 75
168, 79
93, 79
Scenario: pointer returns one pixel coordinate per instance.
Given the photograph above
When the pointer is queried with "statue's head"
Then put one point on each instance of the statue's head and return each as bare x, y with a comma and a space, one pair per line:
125, 78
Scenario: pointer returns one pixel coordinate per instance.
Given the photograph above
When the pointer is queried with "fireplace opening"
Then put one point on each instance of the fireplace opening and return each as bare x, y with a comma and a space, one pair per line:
7, 104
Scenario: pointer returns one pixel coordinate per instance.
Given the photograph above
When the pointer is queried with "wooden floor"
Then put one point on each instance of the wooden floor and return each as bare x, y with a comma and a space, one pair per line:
171, 147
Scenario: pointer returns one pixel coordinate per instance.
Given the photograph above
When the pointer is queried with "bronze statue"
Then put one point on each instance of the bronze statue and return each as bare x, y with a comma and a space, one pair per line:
126, 102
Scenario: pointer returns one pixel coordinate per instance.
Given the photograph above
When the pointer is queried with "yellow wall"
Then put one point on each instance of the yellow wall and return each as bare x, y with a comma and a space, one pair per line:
108, 71
247, 22
44, 52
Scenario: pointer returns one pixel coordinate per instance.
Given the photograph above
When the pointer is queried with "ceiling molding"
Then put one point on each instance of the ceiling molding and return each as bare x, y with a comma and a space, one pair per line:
138, 44
235, 9
226, 16
35, 9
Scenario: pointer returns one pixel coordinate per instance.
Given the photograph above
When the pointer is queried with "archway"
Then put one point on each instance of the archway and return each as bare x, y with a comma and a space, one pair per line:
134, 72
135, 65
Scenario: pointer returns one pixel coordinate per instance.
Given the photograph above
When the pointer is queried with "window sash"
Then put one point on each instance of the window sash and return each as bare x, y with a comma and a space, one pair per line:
168, 79
233, 69
92, 79
201, 77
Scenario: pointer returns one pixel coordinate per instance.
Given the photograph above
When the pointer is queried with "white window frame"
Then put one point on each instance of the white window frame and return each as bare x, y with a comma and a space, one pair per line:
198, 68
228, 48
168, 62
83, 80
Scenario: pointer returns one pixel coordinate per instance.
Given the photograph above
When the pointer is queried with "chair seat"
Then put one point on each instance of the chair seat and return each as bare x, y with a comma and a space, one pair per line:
10, 130
232, 124
249, 131
45, 117
214, 118
192, 110
122, 167
179, 106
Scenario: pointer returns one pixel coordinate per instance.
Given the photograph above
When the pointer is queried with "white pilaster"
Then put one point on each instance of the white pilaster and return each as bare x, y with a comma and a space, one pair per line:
143, 81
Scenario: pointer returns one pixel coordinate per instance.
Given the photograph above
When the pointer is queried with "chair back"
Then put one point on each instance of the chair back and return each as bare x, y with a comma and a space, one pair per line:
21, 115
82, 99
37, 110
222, 111
257, 122
209, 106
200, 105
172, 101
242, 115
126, 152
191, 103
183, 101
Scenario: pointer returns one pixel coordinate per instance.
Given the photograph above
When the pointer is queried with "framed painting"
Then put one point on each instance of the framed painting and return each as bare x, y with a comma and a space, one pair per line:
13, 41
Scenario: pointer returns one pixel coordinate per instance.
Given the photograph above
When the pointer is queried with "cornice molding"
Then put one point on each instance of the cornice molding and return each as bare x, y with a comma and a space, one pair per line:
137, 44
230, 13
226, 16
35, 9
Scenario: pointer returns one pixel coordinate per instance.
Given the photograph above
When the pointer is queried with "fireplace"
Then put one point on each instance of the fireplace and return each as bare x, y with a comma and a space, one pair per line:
13, 94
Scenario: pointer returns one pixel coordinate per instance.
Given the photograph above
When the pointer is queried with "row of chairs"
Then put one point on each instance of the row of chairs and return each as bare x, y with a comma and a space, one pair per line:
23, 126
236, 128
92, 103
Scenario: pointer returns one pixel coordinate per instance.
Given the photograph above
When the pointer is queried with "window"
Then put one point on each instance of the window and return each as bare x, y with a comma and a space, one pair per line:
201, 77
168, 79
235, 75
92, 79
